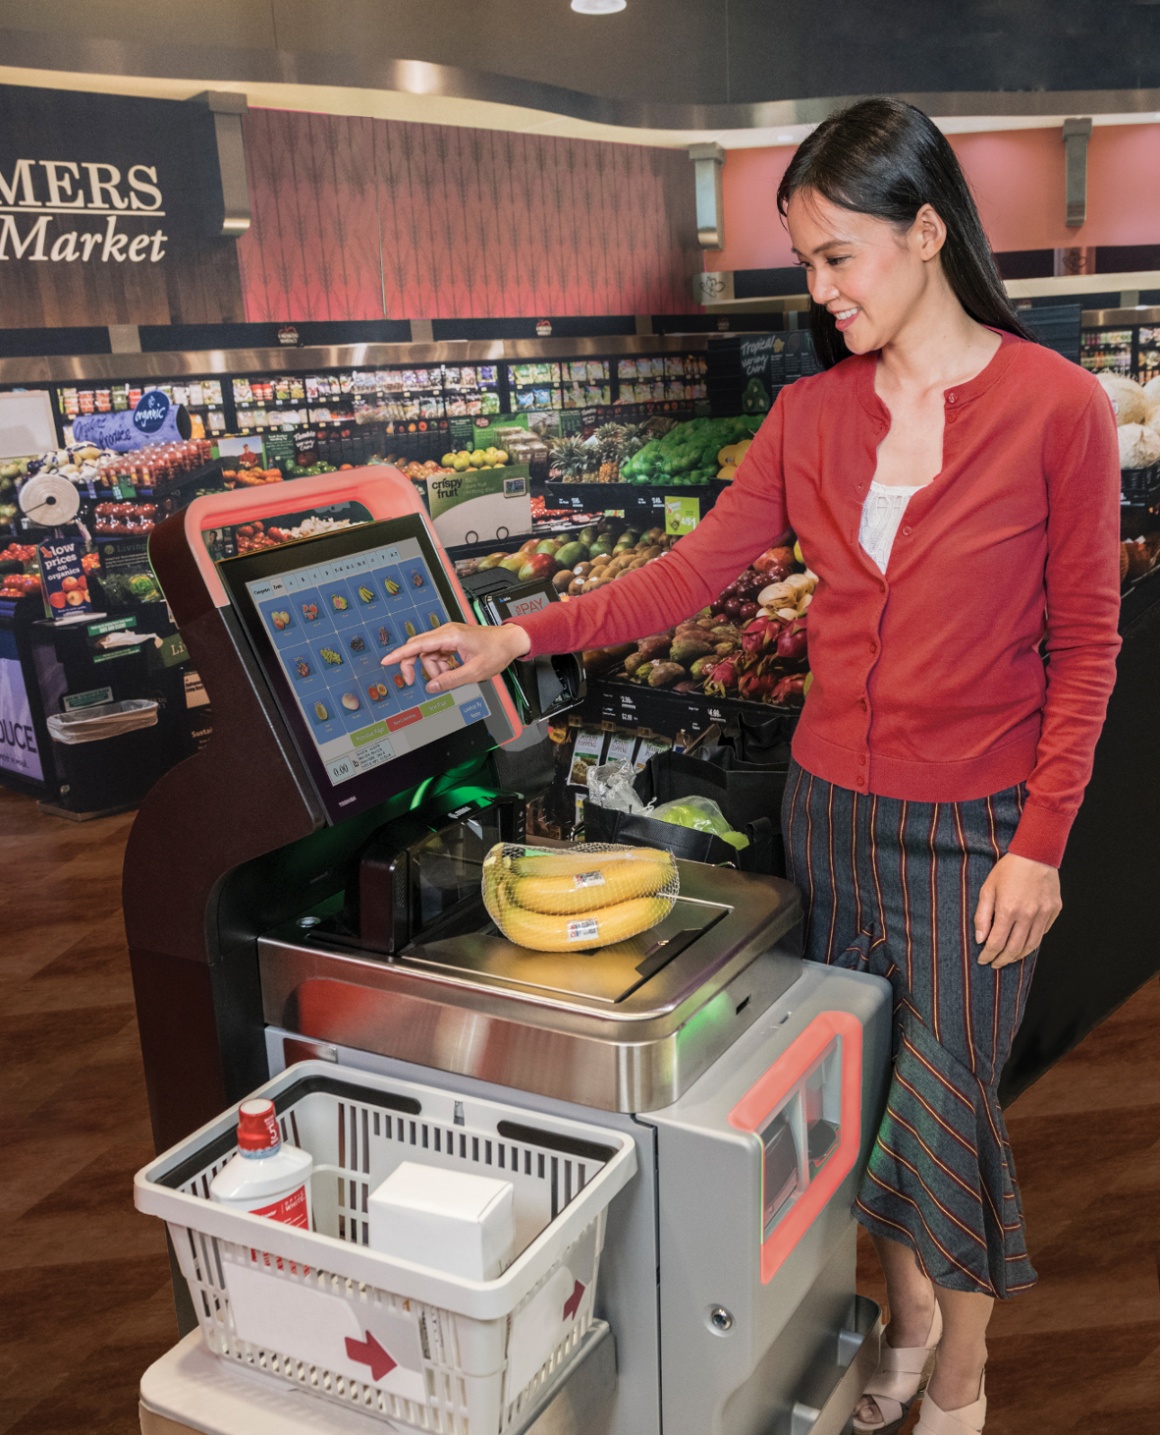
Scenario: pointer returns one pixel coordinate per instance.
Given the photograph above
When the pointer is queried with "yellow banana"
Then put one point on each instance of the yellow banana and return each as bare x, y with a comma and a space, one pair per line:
580, 858
603, 884
542, 933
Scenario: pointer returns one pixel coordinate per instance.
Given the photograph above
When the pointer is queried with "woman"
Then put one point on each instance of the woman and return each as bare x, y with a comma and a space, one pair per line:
956, 489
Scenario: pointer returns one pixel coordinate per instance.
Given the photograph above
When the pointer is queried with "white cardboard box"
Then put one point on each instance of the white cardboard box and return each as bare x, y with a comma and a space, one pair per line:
452, 1221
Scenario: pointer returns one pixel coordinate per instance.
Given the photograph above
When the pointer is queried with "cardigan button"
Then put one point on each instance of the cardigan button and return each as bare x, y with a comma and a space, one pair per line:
873, 646
864, 705
861, 782
906, 533
950, 398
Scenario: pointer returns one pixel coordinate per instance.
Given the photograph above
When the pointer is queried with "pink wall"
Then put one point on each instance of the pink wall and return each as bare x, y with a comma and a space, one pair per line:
1017, 176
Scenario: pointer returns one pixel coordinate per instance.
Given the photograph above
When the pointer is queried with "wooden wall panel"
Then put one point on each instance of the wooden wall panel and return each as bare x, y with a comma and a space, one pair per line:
372, 219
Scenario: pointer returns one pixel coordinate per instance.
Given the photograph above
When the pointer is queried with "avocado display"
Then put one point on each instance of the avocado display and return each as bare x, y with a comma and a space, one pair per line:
755, 399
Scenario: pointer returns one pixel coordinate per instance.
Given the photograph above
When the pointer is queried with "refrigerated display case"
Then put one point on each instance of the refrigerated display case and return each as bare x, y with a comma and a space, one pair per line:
1122, 341
204, 398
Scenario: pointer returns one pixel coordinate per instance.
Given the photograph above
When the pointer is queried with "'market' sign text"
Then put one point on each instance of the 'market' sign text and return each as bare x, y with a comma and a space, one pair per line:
60, 212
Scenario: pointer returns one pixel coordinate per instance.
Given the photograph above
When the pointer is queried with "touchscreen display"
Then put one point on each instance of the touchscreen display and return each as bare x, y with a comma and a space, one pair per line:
330, 623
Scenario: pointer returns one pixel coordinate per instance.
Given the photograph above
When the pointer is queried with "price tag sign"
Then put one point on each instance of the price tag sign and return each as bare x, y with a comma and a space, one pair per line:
681, 515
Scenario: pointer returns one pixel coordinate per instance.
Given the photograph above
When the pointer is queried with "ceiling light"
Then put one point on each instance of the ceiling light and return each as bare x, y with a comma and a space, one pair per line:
598, 7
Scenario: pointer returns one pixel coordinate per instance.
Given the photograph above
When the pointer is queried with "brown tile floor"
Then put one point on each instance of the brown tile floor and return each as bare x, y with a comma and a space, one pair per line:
84, 1281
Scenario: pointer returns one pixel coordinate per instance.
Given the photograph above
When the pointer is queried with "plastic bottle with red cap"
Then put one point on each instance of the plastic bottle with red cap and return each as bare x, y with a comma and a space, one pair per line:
267, 1177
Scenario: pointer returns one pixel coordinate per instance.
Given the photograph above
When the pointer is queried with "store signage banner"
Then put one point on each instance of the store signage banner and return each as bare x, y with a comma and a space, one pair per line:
18, 750
60, 211
107, 211
480, 505
154, 420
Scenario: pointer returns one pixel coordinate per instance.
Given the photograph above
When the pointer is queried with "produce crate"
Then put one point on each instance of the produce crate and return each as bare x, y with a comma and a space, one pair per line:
320, 1312
1140, 485
635, 705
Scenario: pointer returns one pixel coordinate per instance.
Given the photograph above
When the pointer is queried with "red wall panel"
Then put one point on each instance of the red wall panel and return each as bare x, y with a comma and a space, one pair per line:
370, 219
1018, 180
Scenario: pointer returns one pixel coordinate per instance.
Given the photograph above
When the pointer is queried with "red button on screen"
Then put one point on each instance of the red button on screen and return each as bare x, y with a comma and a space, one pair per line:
403, 719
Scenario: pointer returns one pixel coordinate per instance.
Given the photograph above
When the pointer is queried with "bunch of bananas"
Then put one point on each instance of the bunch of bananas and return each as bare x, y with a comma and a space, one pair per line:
579, 897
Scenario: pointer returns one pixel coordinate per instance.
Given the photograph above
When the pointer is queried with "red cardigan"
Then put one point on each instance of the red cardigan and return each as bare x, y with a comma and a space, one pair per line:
928, 682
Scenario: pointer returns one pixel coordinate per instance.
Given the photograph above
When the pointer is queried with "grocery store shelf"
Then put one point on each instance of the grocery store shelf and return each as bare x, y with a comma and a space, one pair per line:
81, 368
595, 497
1137, 599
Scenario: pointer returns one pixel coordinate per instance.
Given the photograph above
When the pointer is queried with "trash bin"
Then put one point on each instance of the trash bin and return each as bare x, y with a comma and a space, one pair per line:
107, 756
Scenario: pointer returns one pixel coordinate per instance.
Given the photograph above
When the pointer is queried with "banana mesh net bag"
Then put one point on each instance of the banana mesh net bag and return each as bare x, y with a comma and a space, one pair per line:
575, 898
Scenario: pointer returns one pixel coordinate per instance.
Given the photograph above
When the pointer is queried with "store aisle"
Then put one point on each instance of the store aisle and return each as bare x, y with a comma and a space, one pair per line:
84, 1281
1079, 1354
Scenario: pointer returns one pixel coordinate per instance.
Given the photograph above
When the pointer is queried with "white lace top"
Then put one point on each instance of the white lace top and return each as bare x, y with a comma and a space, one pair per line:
881, 515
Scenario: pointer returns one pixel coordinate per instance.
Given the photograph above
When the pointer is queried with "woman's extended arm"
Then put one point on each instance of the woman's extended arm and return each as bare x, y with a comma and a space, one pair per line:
747, 518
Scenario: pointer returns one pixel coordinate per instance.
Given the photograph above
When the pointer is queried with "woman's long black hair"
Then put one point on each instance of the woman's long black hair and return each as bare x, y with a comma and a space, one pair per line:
887, 159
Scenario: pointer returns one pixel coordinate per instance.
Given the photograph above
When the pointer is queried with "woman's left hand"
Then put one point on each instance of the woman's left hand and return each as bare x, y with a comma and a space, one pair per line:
1018, 903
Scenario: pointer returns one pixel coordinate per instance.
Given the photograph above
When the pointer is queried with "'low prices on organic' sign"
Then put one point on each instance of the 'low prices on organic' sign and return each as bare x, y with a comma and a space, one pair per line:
62, 574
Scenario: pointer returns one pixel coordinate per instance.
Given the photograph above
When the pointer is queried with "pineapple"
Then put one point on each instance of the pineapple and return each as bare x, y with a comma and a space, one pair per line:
633, 441
610, 453
609, 440
570, 460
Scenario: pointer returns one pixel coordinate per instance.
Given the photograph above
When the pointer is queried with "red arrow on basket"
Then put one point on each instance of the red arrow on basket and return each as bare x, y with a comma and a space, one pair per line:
572, 1304
370, 1352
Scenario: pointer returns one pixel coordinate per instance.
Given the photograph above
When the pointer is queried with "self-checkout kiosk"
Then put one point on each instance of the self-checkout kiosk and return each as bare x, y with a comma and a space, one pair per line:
307, 888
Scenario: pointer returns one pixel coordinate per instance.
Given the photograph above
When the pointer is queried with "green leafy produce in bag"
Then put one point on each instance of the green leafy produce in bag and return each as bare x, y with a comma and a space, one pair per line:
703, 815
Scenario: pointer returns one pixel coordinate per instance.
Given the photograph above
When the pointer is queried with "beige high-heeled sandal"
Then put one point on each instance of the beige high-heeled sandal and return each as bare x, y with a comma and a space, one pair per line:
900, 1379
967, 1420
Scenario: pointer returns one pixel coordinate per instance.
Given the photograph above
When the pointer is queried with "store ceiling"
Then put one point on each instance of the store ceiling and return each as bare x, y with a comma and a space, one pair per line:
661, 71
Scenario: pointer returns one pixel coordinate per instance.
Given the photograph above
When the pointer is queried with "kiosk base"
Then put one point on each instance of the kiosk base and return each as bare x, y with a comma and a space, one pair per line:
190, 1392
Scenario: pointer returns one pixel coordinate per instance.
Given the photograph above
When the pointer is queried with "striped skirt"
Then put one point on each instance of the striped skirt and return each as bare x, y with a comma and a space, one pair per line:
891, 888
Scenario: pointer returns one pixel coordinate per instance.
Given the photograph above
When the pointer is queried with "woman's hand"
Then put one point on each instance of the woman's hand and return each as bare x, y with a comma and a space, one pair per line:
1019, 902
459, 653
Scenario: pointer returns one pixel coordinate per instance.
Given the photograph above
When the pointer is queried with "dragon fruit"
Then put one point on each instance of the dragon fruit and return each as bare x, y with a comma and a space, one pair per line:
756, 686
792, 645
722, 679
790, 690
760, 634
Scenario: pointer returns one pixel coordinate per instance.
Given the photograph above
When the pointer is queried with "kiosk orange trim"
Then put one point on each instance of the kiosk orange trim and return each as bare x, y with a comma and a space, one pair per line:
774, 1089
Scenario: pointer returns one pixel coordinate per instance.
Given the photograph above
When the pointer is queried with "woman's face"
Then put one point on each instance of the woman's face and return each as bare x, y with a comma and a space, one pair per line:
868, 273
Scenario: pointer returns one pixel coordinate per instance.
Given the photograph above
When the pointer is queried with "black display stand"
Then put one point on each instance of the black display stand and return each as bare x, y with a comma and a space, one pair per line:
24, 741
91, 779
1103, 947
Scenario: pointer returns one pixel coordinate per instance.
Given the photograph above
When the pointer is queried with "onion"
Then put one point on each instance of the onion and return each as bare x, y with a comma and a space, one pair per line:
776, 595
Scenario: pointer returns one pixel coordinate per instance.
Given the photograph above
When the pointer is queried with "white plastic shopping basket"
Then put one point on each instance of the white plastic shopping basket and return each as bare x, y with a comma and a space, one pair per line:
415, 1346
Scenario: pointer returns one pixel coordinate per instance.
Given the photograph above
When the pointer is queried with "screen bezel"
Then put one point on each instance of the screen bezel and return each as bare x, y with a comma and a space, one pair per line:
409, 769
